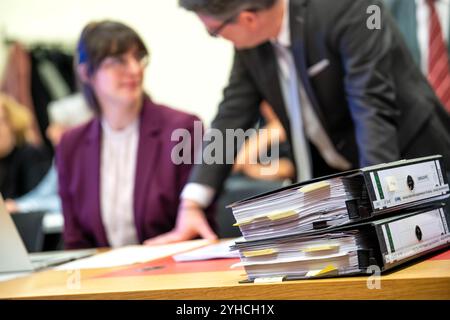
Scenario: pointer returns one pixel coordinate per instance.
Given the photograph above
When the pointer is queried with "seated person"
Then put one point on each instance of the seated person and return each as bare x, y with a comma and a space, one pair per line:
43, 198
117, 181
64, 114
21, 165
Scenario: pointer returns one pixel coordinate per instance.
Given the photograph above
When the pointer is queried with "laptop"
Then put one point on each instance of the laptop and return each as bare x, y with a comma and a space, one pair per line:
14, 256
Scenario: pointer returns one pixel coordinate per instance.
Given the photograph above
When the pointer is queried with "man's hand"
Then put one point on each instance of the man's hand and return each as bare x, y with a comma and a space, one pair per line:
191, 222
11, 206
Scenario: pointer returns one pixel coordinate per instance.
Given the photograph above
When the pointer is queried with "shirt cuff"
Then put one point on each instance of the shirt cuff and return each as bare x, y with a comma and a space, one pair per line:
200, 193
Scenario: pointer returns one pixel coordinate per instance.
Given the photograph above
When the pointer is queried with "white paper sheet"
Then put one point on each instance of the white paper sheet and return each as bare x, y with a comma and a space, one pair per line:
11, 276
132, 254
212, 251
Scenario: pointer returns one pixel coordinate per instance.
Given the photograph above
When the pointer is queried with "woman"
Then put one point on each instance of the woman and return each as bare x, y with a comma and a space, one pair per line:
117, 182
21, 165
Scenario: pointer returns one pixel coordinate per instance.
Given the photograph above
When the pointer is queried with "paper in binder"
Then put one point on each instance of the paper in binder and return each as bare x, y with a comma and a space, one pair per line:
343, 198
349, 250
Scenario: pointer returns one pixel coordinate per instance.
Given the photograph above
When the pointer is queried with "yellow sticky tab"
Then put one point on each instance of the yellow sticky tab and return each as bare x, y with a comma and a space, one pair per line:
241, 223
325, 247
257, 253
281, 215
314, 186
315, 273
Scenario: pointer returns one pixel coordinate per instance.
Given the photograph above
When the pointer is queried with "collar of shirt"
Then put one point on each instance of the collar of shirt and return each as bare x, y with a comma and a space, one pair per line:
125, 132
284, 36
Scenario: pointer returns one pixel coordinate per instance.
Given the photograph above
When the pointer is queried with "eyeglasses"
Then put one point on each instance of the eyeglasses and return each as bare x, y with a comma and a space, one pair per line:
121, 63
215, 32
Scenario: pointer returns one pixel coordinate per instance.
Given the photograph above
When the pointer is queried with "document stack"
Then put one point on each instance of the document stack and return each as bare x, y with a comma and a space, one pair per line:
344, 224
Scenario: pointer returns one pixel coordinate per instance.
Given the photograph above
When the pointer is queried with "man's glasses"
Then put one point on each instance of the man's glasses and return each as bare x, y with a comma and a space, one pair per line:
215, 32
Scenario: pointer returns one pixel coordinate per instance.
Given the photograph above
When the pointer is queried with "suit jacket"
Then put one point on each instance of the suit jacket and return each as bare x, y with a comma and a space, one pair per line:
371, 98
405, 14
158, 182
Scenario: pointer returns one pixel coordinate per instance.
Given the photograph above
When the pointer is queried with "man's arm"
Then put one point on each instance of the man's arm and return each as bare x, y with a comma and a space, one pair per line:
238, 110
367, 59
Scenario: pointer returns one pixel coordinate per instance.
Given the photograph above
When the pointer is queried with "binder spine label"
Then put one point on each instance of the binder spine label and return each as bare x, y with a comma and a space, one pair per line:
269, 279
407, 237
405, 184
412, 251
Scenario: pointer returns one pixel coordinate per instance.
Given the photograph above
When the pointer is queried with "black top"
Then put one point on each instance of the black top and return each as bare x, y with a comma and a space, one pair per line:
22, 170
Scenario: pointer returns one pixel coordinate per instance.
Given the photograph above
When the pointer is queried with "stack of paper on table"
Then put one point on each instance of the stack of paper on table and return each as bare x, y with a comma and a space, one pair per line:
280, 226
295, 210
344, 198
350, 250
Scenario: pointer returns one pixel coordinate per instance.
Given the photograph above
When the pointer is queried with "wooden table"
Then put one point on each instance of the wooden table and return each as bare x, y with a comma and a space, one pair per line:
429, 279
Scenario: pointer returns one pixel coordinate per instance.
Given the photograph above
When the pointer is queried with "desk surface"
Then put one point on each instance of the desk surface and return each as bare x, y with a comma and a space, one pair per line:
429, 279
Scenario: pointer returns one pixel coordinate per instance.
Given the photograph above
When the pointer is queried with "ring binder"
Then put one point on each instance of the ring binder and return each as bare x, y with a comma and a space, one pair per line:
340, 199
345, 224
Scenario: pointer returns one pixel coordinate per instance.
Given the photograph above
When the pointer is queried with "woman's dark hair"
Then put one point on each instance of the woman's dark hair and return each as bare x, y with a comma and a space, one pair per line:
100, 40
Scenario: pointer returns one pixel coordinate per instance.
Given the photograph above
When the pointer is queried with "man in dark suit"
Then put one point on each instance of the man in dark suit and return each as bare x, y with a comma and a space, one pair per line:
348, 94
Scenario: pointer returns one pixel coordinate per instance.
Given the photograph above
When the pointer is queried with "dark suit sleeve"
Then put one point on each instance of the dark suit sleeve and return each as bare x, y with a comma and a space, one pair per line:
238, 110
73, 235
367, 60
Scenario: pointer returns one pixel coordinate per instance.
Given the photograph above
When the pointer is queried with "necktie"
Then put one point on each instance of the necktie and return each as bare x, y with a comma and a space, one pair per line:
289, 83
438, 60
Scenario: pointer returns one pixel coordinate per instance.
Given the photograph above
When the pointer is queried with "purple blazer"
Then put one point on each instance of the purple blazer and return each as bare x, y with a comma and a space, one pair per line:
158, 182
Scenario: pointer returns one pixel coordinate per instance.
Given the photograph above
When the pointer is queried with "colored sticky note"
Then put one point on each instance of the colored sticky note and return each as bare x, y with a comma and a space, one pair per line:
257, 253
324, 247
242, 222
315, 273
281, 215
314, 186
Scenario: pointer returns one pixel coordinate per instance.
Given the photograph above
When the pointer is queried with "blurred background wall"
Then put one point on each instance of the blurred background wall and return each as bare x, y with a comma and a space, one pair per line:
188, 69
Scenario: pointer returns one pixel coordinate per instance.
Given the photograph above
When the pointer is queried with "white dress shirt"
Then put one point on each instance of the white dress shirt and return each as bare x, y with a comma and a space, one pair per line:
117, 177
423, 27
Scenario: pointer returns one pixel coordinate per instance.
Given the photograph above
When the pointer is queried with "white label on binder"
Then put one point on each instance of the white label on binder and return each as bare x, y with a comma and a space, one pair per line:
406, 184
409, 236
269, 280
413, 250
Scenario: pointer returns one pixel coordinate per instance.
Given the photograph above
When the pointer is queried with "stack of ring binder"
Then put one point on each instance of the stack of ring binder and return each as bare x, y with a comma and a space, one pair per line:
345, 224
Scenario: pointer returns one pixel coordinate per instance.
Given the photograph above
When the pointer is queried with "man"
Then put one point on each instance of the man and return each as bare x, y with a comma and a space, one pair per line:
425, 24
349, 95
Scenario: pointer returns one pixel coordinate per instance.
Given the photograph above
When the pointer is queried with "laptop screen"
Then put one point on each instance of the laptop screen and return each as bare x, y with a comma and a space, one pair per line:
13, 254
